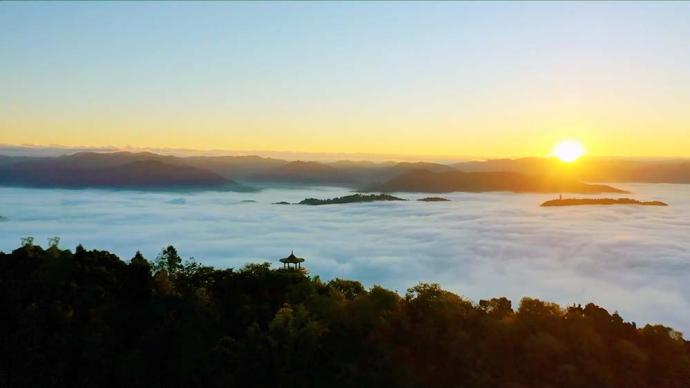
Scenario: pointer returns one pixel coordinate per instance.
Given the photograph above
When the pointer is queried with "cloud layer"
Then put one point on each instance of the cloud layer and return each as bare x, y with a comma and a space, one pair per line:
632, 259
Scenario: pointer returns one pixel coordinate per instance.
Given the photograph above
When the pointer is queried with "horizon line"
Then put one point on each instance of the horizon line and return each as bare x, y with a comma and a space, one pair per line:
62, 149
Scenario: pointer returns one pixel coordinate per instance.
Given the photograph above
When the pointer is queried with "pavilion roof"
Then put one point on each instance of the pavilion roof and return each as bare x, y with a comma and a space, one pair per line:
292, 259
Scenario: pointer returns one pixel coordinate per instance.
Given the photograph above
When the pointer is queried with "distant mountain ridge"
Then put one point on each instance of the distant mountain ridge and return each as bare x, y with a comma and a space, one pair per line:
590, 169
140, 173
300, 172
127, 169
249, 169
424, 181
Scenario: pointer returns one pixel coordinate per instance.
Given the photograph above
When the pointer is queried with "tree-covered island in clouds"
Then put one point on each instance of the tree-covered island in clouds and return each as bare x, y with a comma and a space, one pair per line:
600, 201
433, 199
354, 198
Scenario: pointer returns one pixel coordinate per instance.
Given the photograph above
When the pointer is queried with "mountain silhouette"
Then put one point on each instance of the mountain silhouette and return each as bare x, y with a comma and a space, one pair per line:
301, 172
533, 174
143, 173
591, 169
424, 181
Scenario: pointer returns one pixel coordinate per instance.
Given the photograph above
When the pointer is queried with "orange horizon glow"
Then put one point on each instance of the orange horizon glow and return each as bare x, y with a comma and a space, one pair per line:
328, 153
480, 84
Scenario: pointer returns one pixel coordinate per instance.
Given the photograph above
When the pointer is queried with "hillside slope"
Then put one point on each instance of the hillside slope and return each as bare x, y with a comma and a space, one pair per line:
423, 181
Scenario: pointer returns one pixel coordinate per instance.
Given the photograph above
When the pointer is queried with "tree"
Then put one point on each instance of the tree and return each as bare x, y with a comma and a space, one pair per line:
191, 325
497, 307
348, 288
53, 242
139, 259
168, 260
27, 241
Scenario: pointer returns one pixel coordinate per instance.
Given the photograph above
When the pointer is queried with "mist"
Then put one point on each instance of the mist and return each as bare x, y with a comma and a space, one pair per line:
635, 260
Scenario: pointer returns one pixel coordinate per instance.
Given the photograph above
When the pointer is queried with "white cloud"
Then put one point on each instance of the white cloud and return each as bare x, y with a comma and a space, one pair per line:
632, 259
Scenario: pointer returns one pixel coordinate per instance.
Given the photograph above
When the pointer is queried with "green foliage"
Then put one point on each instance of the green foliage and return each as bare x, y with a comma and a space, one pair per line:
27, 241
168, 260
349, 289
89, 319
54, 242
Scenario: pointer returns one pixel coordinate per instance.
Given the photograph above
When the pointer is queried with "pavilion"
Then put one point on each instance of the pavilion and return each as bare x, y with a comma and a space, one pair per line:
292, 261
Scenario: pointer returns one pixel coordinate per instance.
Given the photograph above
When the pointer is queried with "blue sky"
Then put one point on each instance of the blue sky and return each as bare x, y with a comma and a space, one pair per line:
431, 78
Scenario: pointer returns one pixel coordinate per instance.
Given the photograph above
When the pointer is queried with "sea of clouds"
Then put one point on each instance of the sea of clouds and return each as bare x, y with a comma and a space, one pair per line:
635, 260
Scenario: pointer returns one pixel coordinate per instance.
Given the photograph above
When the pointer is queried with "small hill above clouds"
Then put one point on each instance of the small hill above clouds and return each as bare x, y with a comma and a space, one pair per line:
423, 181
600, 201
354, 198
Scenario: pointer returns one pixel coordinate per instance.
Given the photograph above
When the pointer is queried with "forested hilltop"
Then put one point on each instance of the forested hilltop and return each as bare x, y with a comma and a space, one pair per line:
87, 318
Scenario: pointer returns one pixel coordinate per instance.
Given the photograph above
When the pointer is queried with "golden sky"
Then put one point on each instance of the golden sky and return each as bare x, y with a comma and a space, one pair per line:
451, 79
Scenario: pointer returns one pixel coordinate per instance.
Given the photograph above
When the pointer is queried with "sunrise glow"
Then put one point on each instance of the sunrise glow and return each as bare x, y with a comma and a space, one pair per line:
345, 193
325, 84
569, 150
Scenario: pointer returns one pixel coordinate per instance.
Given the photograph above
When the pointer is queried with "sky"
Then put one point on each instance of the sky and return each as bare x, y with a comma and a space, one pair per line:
490, 79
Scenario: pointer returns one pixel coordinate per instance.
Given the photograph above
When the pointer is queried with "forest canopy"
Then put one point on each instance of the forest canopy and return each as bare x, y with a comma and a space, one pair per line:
87, 318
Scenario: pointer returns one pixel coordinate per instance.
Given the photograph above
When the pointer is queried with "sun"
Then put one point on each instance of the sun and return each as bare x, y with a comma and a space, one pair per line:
568, 150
